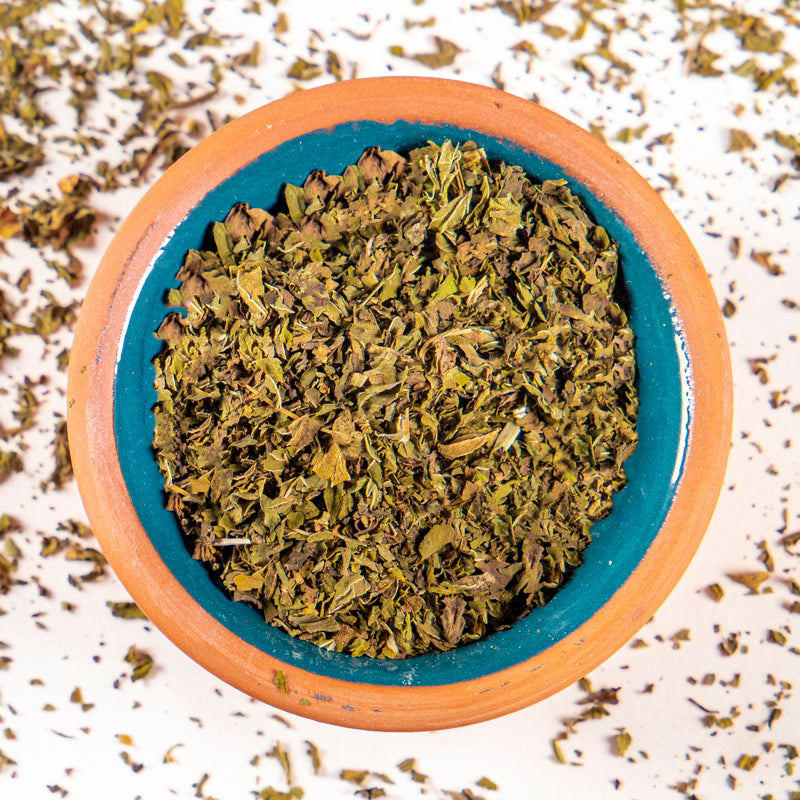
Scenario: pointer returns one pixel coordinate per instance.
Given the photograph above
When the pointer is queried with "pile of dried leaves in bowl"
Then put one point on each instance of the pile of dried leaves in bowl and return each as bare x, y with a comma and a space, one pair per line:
391, 412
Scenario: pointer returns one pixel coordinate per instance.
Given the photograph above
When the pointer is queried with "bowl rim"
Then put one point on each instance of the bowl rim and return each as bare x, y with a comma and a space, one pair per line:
101, 326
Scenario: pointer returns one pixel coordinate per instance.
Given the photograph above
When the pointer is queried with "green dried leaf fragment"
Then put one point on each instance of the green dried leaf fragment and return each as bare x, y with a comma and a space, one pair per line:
295, 202
348, 588
18, 156
554, 31
174, 14
250, 58
280, 682
598, 131
683, 635
314, 755
141, 662
628, 134
268, 793
333, 65
450, 216
223, 240
62, 469
622, 741
747, 762
465, 447
250, 286
356, 776
776, 637
700, 60
10, 463
558, 754
126, 610
785, 140
58, 222
303, 70
331, 466
435, 539
51, 317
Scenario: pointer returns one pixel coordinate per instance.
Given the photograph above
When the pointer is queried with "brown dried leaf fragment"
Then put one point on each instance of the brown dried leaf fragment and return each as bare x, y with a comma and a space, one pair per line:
279, 753
699, 60
715, 592
6, 761
730, 644
9, 524
607, 696
443, 55
739, 140
752, 580
764, 258
728, 308
776, 637
524, 11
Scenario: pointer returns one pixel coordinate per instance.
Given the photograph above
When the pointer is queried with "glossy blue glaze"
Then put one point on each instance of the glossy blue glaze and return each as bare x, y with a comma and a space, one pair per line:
619, 541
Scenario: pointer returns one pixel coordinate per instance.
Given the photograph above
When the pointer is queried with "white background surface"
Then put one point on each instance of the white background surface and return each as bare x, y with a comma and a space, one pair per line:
211, 729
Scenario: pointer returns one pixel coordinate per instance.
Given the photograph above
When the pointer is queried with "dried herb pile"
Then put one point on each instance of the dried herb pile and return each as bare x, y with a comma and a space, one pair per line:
393, 410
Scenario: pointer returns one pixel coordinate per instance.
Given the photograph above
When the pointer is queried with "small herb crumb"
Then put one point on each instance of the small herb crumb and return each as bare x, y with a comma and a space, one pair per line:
141, 661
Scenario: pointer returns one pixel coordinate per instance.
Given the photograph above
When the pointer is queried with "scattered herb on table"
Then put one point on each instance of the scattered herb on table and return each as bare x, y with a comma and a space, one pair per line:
141, 662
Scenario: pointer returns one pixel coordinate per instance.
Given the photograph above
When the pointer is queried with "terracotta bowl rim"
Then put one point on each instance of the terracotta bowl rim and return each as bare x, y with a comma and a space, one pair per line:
101, 327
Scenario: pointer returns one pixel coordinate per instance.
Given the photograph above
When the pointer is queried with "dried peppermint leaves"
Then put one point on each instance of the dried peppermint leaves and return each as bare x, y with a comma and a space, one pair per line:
392, 411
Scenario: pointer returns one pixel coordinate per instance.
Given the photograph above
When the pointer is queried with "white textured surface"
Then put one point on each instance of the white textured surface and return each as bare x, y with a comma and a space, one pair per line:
718, 195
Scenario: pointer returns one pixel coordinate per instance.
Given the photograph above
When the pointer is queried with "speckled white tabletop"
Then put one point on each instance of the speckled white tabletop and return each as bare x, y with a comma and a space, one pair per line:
705, 704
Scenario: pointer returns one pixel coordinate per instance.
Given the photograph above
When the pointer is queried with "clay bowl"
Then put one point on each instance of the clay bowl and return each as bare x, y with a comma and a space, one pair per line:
638, 553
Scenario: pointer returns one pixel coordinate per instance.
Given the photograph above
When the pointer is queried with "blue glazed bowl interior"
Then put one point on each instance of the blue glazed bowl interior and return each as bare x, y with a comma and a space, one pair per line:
619, 541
